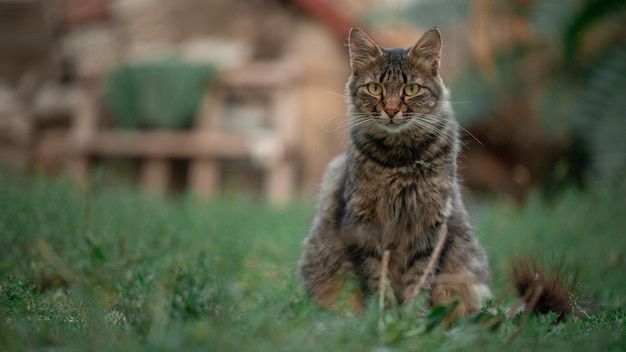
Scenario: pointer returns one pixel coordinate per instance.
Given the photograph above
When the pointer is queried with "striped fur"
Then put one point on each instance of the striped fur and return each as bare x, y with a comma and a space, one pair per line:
395, 187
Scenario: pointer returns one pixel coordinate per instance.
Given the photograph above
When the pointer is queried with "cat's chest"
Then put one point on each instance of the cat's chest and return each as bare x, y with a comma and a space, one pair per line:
402, 197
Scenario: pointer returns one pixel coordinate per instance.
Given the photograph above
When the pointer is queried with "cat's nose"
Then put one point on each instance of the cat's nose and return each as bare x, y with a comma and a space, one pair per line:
391, 112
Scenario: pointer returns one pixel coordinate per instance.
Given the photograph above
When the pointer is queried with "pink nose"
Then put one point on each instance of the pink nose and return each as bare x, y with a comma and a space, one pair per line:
391, 112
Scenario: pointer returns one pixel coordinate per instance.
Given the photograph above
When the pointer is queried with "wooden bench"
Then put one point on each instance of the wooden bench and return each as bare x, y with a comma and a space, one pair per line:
208, 143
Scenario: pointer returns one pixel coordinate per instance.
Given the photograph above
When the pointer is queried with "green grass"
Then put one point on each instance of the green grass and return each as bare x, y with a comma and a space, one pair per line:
114, 269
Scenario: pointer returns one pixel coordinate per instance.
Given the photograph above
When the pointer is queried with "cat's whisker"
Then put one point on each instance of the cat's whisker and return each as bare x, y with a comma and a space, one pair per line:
433, 118
339, 128
357, 124
325, 126
458, 125
331, 92
423, 126
436, 127
418, 127
343, 124
338, 115
433, 127
470, 133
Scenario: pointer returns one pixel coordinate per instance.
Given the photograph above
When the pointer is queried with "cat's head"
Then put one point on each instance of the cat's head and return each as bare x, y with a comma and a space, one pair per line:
395, 90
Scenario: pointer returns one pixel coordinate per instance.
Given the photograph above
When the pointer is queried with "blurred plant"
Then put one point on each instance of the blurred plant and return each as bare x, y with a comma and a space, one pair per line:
160, 94
197, 293
589, 58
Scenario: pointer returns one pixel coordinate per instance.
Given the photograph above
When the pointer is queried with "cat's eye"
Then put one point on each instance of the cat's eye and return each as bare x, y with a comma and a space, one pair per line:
375, 88
411, 89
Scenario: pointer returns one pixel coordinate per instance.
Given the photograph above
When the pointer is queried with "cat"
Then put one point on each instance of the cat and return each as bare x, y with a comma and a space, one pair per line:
390, 212
395, 189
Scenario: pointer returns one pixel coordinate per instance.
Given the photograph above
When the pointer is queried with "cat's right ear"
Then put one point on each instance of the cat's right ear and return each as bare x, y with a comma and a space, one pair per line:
363, 50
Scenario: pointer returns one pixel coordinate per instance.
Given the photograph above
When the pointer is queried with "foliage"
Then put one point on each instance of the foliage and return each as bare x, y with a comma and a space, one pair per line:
590, 64
599, 116
158, 94
110, 268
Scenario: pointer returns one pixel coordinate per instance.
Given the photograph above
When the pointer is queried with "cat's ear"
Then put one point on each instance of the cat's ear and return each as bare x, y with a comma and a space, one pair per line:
363, 50
428, 49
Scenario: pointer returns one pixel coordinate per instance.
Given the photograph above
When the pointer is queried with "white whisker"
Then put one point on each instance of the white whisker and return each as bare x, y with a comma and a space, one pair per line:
470, 133
456, 123
325, 126
434, 126
331, 92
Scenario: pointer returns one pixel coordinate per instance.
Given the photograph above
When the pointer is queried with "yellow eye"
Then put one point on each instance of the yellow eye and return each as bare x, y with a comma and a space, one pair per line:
411, 89
375, 88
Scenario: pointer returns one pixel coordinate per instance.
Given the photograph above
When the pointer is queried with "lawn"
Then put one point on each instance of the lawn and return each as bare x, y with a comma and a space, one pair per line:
107, 267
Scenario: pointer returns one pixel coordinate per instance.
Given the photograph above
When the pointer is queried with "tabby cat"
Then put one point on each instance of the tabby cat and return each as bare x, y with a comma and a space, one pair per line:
395, 189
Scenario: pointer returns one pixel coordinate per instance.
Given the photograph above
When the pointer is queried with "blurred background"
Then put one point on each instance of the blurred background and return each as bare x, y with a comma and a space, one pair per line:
219, 96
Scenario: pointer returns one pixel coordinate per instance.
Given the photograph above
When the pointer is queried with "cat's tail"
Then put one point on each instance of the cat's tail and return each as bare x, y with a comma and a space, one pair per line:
545, 288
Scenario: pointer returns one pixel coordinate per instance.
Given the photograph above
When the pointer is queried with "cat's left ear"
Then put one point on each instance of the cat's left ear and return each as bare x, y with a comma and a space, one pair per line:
363, 50
428, 49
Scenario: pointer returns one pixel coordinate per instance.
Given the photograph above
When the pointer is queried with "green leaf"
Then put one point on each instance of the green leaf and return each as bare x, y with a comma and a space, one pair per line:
438, 314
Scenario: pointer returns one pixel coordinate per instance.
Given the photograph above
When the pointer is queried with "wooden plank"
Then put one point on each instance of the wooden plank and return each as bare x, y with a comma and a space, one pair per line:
84, 125
204, 177
211, 110
155, 175
284, 114
279, 181
169, 144
78, 168
262, 75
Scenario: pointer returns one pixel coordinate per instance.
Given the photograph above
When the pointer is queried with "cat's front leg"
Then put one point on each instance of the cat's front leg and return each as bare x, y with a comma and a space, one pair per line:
325, 270
463, 272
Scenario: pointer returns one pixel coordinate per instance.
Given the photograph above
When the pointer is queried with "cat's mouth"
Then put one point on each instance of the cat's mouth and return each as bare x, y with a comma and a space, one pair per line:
392, 124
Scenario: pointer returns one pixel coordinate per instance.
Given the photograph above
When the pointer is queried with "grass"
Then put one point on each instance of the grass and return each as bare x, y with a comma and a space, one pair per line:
107, 267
